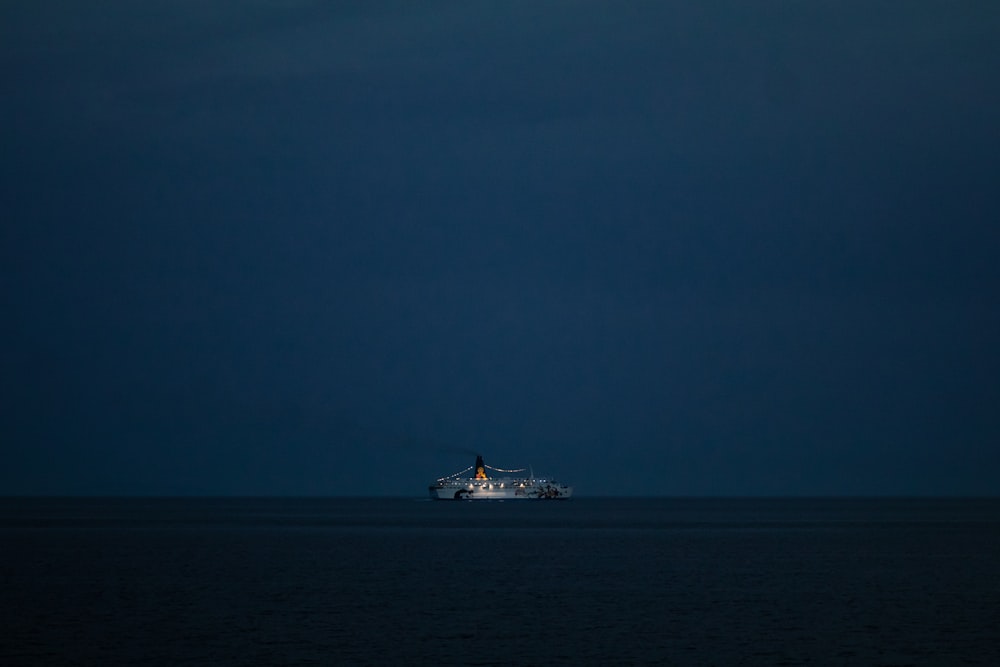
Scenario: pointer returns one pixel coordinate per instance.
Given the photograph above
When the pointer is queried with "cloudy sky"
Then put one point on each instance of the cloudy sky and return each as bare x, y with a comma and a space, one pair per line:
652, 248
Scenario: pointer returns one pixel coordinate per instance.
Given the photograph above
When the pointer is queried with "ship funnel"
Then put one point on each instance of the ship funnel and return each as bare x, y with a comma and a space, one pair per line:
480, 467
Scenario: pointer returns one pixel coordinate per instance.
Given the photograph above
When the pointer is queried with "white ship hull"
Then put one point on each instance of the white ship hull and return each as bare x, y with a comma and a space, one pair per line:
499, 489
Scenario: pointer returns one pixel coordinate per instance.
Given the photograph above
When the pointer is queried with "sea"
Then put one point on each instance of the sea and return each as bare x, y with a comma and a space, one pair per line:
584, 581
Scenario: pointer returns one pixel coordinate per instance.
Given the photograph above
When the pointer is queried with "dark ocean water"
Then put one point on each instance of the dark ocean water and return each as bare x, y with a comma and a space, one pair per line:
585, 581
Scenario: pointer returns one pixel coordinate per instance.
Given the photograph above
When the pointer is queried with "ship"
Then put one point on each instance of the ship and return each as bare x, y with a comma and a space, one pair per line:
481, 485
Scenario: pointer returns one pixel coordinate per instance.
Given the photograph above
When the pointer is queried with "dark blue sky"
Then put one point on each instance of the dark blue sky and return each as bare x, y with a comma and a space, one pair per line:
649, 247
